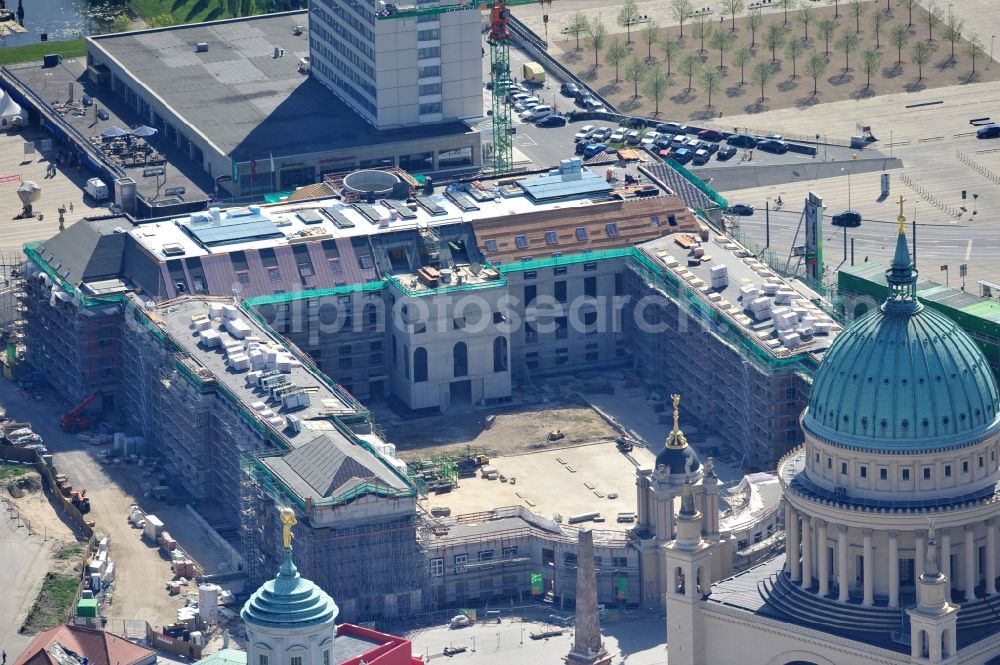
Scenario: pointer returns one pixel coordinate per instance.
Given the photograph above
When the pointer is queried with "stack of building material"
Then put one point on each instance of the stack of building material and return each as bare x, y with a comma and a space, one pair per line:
277, 422
789, 338
201, 323
258, 359
215, 310
801, 312
210, 338
167, 542
238, 328
749, 293
239, 362
771, 288
783, 296
284, 363
295, 400
153, 528
784, 318
184, 568
187, 616
136, 517
821, 328
229, 312
720, 277
761, 308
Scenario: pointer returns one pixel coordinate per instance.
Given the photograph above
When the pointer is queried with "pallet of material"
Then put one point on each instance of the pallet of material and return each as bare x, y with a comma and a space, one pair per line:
628, 154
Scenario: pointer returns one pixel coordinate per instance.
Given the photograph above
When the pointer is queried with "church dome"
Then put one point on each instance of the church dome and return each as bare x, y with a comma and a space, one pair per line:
903, 378
679, 459
289, 601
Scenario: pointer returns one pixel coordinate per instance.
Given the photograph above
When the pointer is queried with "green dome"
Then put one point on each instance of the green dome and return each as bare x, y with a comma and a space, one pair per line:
903, 378
289, 601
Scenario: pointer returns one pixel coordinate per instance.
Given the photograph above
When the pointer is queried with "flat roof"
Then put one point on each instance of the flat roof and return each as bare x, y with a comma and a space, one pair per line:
561, 185
240, 97
743, 269
297, 221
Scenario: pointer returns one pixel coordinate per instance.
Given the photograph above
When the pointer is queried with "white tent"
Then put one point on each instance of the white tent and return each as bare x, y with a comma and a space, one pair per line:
10, 111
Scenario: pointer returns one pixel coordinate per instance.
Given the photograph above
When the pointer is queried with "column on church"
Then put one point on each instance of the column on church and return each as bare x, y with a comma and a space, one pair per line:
894, 568
991, 557
792, 544
822, 558
869, 564
842, 581
807, 542
970, 562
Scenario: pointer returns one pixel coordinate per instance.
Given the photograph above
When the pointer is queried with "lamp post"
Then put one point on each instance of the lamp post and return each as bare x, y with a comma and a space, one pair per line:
993, 38
848, 187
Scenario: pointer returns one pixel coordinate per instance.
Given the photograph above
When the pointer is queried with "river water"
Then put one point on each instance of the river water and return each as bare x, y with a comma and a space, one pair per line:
60, 19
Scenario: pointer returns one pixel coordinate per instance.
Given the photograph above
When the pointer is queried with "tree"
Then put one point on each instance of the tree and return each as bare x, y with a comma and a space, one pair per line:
826, 28
689, 66
786, 5
973, 49
762, 75
711, 81
870, 61
656, 87
848, 42
909, 4
234, 7
794, 50
733, 7
670, 47
615, 55
121, 23
701, 29
857, 8
650, 37
774, 39
932, 18
161, 20
921, 56
953, 32
596, 34
805, 17
722, 41
898, 37
628, 16
635, 70
681, 10
248, 7
836, 9
578, 25
878, 27
815, 67
754, 21
741, 58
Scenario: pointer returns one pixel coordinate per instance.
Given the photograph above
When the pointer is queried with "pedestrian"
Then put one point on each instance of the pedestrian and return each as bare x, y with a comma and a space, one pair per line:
71, 206
5, 657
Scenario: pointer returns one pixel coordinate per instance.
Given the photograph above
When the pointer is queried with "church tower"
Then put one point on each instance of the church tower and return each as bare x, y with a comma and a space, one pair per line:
289, 620
933, 620
689, 571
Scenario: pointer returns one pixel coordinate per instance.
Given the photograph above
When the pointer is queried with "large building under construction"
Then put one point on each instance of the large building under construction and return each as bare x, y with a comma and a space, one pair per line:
239, 342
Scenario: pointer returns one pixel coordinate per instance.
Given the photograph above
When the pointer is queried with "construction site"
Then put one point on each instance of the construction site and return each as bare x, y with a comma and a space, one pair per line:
245, 395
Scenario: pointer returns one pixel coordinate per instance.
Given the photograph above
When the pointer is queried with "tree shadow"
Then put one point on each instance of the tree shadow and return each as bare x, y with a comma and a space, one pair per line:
759, 106
214, 14
630, 104
842, 78
969, 78
788, 84
776, 66
806, 102
196, 9
947, 63
915, 86
705, 114
863, 93
177, 5
588, 74
609, 89
892, 72
735, 91
683, 98
572, 57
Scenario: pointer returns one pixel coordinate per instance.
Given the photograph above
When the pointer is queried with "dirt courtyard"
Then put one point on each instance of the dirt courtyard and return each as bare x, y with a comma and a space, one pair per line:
783, 89
516, 430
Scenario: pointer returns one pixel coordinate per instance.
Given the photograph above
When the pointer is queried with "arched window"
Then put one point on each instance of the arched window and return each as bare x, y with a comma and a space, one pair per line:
370, 314
945, 644
419, 364
460, 356
500, 354
679, 580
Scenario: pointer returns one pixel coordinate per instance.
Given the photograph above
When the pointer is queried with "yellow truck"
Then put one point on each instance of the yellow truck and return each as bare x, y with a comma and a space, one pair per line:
532, 72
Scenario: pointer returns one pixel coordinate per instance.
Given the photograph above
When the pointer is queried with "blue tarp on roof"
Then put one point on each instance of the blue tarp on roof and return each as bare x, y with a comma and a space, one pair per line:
230, 230
574, 184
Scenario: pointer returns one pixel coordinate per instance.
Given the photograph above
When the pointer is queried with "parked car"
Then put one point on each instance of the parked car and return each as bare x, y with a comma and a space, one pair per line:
693, 144
725, 152
678, 141
662, 142
741, 209
742, 141
581, 146
847, 218
537, 113
701, 157
519, 97
569, 89
585, 132
773, 145
526, 104
552, 121
682, 155
618, 135
633, 137
671, 127
990, 131
595, 106
710, 135
602, 134
709, 147
582, 94
649, 140
593, 149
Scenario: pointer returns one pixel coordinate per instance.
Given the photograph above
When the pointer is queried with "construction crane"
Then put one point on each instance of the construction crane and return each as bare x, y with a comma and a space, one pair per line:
499, 40
77, 420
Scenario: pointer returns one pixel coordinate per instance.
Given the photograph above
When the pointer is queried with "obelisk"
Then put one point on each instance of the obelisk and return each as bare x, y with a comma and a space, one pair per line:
588, 649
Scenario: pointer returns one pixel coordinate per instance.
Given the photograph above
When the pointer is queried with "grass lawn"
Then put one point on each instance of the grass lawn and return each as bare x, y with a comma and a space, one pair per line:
10, 55
11, 472
53, 605
843, 71
183, 11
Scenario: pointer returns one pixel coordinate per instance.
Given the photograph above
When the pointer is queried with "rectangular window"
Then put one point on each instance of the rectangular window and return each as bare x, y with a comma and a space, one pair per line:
965, 467
947, 470
326, 657
429, 52
611, 229
980, 461
296, 660
906, 474
521, 241
273, 274
655, 220
883, 474
551, 238
486, 555
428, 35
590, 287
345, 363
843, 468
491, 245
437, 567
530, 293
560, 291
592, 356
829, 462
262, 659
581, 233
561, 270
927, 473
530, 274
243, 277
433, 107
429, 89
863, 471
460, 561
429, 72
509, 552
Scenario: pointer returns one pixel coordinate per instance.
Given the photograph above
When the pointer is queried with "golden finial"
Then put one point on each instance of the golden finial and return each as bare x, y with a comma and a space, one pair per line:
676, 439
901, 219
288, 519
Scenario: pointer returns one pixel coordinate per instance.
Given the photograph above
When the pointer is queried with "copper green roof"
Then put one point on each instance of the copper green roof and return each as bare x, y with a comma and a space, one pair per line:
903, 378
289, 601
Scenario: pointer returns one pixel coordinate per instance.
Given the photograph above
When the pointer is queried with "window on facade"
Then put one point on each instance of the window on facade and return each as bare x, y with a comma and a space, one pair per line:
262, 659
581, 233
927, 473
491, 245
500, 354
843, 468
829, 462
429, 72
429, 89
530, 293
521, 241
243, 277
965, 467
433, 107
419, 364
437, 567
883, 474
551, 238
560, 291
460, 359
611, 229
417, 162
326, 657
486, 555
980, 461
429, 52
560, 270
273, 274
863, 471
449, 159
530, 274
906, 474
947, 470
562, 327
590, 287
509, 552
460, 561
428, 35
296, 660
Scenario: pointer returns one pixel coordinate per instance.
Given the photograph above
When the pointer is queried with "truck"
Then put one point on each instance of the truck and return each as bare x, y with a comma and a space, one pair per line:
533, 73
96, 189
